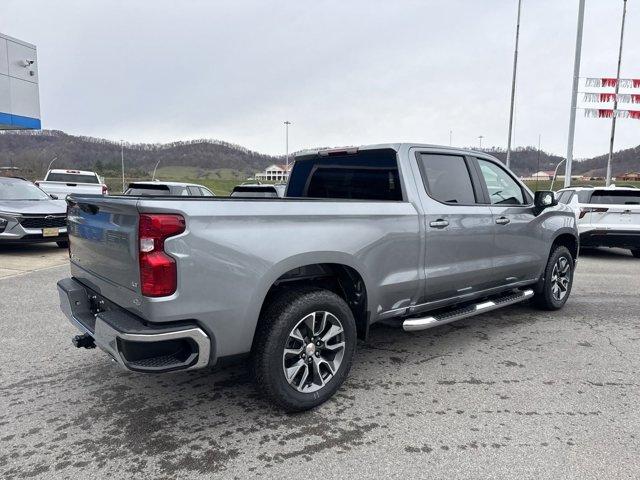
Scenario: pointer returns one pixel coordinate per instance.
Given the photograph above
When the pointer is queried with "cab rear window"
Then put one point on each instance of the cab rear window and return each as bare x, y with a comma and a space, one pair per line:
364, 175
72, 178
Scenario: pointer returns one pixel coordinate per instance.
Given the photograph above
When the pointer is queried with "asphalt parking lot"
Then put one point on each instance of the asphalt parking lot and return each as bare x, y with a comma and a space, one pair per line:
516, 393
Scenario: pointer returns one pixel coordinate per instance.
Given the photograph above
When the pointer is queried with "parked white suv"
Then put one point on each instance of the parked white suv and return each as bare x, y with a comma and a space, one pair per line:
607, 216
65, 182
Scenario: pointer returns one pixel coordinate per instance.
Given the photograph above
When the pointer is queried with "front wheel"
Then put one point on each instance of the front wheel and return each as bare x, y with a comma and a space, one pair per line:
304, 346
557, 280
63, 244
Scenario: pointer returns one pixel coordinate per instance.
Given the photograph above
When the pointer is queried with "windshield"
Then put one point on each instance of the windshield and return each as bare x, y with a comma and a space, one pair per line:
72, 178
21, 191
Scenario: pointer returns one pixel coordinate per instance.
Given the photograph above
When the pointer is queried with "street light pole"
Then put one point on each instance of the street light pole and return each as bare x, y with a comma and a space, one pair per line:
574, 95
122, 160
513, 85
51, 162
615, 98
153, 177
286, 128
480, 137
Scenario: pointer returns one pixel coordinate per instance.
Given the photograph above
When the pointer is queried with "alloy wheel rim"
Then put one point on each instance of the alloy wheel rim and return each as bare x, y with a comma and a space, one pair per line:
560, 278
313, 352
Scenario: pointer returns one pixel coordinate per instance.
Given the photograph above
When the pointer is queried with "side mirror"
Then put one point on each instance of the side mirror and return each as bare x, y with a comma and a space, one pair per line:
54, 197
544, 199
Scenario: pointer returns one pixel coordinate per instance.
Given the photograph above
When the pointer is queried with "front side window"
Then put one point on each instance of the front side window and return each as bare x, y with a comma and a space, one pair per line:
447, 179
194, 191
503, 189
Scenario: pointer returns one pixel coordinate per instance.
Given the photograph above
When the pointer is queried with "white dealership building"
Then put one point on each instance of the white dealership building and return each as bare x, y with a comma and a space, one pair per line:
19, 94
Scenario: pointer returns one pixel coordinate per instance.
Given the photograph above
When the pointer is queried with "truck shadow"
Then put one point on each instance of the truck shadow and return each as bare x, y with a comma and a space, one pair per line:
202, 421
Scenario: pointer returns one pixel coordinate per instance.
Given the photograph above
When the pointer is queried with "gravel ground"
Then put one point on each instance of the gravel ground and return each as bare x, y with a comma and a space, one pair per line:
515, 393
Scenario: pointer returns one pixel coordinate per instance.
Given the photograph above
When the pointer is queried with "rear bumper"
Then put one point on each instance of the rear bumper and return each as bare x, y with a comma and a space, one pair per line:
610, 238
132, 342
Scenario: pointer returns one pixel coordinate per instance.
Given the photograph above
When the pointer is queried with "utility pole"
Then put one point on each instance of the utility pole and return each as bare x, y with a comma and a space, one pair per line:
450, 137
122, 160
480, 137
574, 95
513, 85
286, 129
615, 101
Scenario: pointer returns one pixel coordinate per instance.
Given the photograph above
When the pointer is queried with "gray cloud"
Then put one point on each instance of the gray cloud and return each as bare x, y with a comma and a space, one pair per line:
345, 72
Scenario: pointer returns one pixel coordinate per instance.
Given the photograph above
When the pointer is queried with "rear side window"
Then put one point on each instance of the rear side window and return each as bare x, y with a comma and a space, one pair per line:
71, 178
612, 197
355, 183
447, 178
583, 196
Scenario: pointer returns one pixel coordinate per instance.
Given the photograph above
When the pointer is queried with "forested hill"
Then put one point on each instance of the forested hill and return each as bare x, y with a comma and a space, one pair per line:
33, 151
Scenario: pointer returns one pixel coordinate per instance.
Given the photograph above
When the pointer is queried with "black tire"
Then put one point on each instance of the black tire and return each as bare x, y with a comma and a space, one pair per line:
636, 253
545, 297
276, 324
63, 244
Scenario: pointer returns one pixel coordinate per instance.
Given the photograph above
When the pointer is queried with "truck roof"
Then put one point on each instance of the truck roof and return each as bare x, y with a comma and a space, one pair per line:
71, 171
380, 146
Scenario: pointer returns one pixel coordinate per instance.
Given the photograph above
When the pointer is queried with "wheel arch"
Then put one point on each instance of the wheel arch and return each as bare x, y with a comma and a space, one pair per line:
334, 271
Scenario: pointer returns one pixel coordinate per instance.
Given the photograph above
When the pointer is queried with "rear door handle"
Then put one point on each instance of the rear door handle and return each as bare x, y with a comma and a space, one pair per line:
439, 223
502, 221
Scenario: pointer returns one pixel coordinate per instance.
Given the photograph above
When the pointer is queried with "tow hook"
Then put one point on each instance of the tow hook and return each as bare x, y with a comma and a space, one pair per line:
83, 341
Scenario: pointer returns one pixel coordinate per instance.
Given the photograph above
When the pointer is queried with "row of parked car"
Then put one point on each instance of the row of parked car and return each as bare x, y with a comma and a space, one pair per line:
37, 212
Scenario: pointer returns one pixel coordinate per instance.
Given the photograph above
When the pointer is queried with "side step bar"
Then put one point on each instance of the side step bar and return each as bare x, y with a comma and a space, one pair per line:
422, 323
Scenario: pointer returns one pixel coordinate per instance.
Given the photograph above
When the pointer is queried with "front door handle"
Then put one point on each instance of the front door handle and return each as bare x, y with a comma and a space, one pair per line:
502, 221
439, 223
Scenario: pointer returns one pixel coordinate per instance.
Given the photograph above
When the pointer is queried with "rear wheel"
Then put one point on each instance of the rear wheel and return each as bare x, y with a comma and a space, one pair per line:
64, 244
636, 253
558, 279
304, 347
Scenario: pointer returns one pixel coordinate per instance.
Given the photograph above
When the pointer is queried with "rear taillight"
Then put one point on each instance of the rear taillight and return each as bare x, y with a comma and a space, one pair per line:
585, 210
105, 190
158, 272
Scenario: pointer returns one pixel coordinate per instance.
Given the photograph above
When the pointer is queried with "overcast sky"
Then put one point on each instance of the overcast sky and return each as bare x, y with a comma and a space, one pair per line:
344, 72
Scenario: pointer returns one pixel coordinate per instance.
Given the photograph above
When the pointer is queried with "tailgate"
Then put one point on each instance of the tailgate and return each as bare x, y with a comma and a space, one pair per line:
63, 189
103, 236
615, 216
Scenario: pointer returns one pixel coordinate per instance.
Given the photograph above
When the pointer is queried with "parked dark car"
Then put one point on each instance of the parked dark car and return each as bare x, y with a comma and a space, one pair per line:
258, 190
168, 189
29, 215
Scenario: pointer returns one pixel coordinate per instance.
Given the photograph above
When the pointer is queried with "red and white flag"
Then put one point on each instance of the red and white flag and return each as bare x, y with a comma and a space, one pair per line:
610, 113
610, 97
608, 82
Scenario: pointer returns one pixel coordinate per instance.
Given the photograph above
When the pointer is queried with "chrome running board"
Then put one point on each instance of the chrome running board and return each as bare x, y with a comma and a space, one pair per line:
422, 323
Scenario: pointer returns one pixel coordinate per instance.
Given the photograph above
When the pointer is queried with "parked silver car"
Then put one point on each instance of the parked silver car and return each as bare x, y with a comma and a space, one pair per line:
29, 215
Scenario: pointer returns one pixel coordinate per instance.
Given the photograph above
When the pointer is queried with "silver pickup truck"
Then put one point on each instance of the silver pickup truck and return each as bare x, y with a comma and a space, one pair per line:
415, 235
